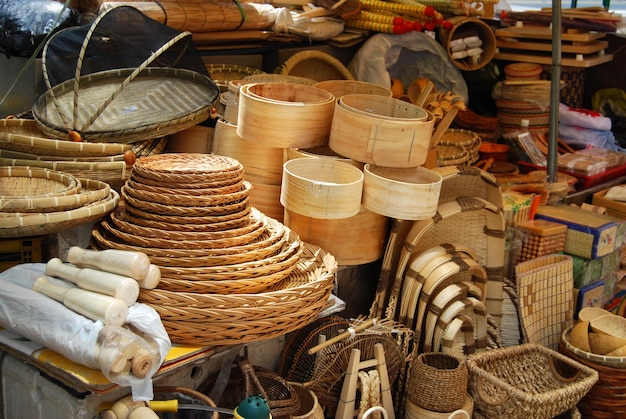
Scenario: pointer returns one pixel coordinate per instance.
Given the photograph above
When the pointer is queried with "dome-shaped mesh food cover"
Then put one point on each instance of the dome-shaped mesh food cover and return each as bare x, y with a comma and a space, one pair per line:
124, 78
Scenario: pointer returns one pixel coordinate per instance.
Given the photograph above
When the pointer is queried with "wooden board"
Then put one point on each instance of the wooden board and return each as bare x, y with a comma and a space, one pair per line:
529, 57
546, 33
576, 48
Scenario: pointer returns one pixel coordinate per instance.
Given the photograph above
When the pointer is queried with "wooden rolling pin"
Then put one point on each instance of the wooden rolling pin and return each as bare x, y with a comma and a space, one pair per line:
122, 262
107, 283
93, 305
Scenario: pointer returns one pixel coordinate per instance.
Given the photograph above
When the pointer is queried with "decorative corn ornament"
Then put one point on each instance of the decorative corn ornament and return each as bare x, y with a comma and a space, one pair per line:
416, 10
457, 8
384, 22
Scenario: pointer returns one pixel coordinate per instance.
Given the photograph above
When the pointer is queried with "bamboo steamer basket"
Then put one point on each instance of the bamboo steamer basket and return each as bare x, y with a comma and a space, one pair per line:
321, 188
231, 109
402, 193
355, 240
323, 151
284, 114
347, 87
381, 130
262, 164
266, 198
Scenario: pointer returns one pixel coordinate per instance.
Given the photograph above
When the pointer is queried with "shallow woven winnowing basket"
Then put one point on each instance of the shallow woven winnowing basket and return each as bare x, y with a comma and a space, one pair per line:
316, 65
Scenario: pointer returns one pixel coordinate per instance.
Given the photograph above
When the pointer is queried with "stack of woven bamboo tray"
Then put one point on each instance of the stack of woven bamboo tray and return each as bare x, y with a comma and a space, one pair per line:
229, 274
37, 201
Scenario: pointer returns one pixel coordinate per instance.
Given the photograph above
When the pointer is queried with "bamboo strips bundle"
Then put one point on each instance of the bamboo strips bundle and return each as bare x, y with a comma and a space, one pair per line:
200, 17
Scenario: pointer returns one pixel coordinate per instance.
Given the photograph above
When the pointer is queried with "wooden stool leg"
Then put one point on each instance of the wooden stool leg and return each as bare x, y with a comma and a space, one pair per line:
345, 408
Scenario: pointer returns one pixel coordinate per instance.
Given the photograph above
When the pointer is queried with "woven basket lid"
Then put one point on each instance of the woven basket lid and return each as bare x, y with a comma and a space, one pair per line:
316, 65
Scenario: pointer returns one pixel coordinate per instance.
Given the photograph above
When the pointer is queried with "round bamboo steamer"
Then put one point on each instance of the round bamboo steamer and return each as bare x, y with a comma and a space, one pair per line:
262, 164
401, 193
340, 88
284, 115
381, 130
231, 109
266, 198
321, 188
413, 411
464, 26
323, 151
355, 240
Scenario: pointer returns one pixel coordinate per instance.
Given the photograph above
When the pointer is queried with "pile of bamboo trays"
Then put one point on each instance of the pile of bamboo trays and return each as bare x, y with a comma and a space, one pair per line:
37, 201
229, 273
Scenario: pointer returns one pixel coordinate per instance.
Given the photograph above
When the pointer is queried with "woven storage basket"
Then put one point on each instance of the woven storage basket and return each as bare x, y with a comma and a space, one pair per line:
321, 188
222, 74
381, 130
413, 411
316, 65
437, 382
527, 380
545, 287
284, 114
403, 193
340, 88
25, 136
607, 398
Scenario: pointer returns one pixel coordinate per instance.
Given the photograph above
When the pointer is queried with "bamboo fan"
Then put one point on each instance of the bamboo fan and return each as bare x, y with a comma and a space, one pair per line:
295, 364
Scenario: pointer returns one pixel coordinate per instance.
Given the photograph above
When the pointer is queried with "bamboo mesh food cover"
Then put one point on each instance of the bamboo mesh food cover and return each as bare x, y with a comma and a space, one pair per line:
123, 78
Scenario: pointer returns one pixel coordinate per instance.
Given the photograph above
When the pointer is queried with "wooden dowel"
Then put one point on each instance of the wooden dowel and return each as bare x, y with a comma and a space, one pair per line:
349, 333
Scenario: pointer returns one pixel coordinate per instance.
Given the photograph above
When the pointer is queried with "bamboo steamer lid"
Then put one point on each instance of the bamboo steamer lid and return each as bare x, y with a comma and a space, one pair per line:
321, 188
354, 240
347, 87
381, 130
402, 193
284, 115
262, 164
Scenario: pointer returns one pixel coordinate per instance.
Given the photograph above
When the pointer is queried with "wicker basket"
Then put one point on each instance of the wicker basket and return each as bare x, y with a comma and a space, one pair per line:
316, 65
545, 295
222, 74
527, 381
437, 382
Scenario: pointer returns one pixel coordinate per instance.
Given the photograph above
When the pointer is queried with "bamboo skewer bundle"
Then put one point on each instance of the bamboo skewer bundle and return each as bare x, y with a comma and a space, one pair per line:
199, 17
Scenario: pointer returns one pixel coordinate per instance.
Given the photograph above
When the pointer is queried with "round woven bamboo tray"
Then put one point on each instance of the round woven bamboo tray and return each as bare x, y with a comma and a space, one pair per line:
166, 243
121, 222
321, 188
222, 74
188, 168
188, 218
35, 224
191, 186
91, 191
381, 130
316, 65
91, 170
403, 193
262, 246
523, 71
284, 115
243, 318
262, 164
24, 135
33, 182
353, 241
191, 193
188, 211
96, 116
183, 200
20, 155
280, 78
340, 88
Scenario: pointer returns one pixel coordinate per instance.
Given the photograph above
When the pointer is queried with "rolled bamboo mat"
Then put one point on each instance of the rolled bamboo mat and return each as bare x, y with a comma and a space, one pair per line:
195, 16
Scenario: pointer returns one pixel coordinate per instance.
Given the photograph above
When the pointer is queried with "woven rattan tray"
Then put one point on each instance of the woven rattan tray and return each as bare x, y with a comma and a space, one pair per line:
201, 170
33, 182
25, 136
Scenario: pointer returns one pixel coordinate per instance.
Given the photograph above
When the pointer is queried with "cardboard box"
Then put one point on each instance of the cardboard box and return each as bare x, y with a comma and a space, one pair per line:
589, 235
613, 208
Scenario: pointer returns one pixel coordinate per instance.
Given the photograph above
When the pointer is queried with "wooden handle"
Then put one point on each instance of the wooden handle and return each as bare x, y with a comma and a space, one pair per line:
121, 262
350, 332
118, 286
95, 306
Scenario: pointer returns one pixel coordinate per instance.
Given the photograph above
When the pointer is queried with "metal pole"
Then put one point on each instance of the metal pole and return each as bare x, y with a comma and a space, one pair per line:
555, 88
